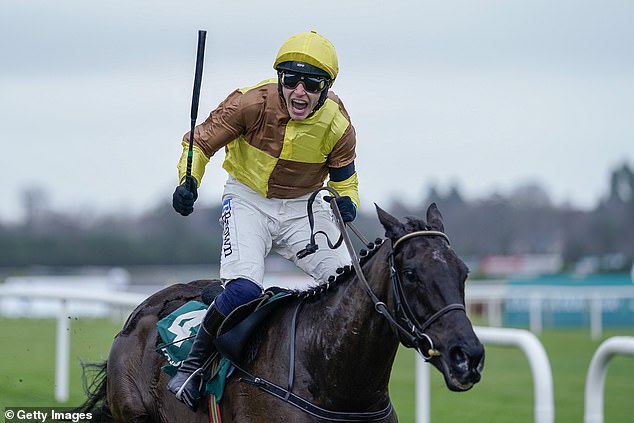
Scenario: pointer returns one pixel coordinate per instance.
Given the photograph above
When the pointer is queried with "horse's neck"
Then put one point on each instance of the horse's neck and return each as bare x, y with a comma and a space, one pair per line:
353, 337
354, 309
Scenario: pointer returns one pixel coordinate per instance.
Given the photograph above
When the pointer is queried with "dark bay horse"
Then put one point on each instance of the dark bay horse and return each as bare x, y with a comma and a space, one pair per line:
346, 336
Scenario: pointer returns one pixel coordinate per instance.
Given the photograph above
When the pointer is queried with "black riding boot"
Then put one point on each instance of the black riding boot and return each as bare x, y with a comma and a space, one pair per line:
187, 381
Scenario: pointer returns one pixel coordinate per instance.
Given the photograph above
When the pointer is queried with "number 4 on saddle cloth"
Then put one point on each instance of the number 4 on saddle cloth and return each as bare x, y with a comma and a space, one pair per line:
179, 328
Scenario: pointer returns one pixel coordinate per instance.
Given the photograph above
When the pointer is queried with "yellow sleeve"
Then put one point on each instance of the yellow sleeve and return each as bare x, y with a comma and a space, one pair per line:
349, 187
199, 161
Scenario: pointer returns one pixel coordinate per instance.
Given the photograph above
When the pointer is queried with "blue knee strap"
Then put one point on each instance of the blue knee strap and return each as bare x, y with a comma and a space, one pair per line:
237, 292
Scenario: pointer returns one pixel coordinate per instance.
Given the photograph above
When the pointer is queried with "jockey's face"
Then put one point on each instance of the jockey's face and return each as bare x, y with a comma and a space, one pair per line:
299, 102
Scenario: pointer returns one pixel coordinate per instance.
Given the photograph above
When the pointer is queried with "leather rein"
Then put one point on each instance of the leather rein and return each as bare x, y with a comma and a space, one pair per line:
411, 332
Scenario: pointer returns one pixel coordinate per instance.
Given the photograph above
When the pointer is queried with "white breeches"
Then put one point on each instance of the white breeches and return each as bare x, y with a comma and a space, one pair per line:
253, 226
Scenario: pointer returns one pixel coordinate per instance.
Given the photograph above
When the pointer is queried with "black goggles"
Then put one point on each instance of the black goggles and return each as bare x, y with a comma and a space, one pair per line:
312, 84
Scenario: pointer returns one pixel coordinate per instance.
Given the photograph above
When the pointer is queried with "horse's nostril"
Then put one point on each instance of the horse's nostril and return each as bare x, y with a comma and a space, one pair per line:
459, 358
465, 360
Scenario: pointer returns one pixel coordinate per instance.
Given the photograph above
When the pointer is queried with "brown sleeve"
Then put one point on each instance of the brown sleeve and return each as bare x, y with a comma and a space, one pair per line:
223, 125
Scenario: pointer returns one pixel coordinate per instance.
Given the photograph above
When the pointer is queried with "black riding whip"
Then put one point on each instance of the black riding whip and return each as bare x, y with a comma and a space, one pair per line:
198, 79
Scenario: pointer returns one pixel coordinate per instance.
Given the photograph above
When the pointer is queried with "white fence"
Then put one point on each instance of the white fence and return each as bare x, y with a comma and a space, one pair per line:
594, 300
537, 359
93, 285
595, 380
64, 298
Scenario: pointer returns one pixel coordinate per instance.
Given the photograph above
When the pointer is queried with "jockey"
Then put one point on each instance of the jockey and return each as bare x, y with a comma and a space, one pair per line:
283, 138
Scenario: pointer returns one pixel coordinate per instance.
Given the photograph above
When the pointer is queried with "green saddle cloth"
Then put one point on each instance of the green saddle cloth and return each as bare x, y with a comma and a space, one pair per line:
177, 331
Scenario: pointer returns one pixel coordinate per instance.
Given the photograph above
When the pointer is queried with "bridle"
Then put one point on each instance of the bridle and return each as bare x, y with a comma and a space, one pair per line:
410, 331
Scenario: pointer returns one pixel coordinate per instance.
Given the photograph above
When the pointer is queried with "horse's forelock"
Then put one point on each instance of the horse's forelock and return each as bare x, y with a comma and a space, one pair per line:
414, 224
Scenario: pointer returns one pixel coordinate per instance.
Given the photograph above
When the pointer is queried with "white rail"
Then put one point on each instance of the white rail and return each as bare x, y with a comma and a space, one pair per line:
537, 359
62, 343
595, 379
593, 300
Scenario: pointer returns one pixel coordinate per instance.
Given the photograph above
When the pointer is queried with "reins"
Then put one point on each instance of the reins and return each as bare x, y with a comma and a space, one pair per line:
411, 331
312, 246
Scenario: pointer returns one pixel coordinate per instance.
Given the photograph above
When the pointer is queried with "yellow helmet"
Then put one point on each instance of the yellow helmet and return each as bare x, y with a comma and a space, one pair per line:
311, 48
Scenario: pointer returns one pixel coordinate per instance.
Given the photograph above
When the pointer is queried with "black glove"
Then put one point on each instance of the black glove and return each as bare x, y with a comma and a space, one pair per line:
346, 207
183, 199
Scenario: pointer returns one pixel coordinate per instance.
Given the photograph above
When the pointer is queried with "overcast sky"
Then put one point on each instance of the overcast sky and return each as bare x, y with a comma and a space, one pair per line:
486, 95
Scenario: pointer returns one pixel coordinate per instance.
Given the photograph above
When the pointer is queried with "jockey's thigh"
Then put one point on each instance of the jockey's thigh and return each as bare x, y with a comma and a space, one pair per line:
294, 234
246, 240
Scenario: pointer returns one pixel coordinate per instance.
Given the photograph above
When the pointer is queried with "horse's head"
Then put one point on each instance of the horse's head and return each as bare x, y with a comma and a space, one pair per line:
429, 281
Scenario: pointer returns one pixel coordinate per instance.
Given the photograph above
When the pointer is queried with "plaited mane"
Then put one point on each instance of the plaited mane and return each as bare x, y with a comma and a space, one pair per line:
342, 274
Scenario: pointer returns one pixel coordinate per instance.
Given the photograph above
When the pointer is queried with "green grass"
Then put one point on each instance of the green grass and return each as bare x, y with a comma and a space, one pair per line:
27, 366
505, 393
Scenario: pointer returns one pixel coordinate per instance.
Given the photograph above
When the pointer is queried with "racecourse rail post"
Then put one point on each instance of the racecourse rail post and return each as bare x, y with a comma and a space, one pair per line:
62, 353
597, 371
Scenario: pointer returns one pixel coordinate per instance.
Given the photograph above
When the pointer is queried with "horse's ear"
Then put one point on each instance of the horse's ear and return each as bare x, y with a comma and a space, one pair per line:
393, 227
434, 218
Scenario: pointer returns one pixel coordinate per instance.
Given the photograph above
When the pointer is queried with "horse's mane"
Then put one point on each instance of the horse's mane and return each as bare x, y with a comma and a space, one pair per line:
342, 274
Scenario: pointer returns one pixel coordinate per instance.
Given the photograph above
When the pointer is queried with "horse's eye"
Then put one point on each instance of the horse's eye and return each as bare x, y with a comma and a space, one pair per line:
410, 275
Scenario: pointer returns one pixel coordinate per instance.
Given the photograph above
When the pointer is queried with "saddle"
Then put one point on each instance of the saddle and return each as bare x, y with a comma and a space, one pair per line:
239, 326
179, 328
